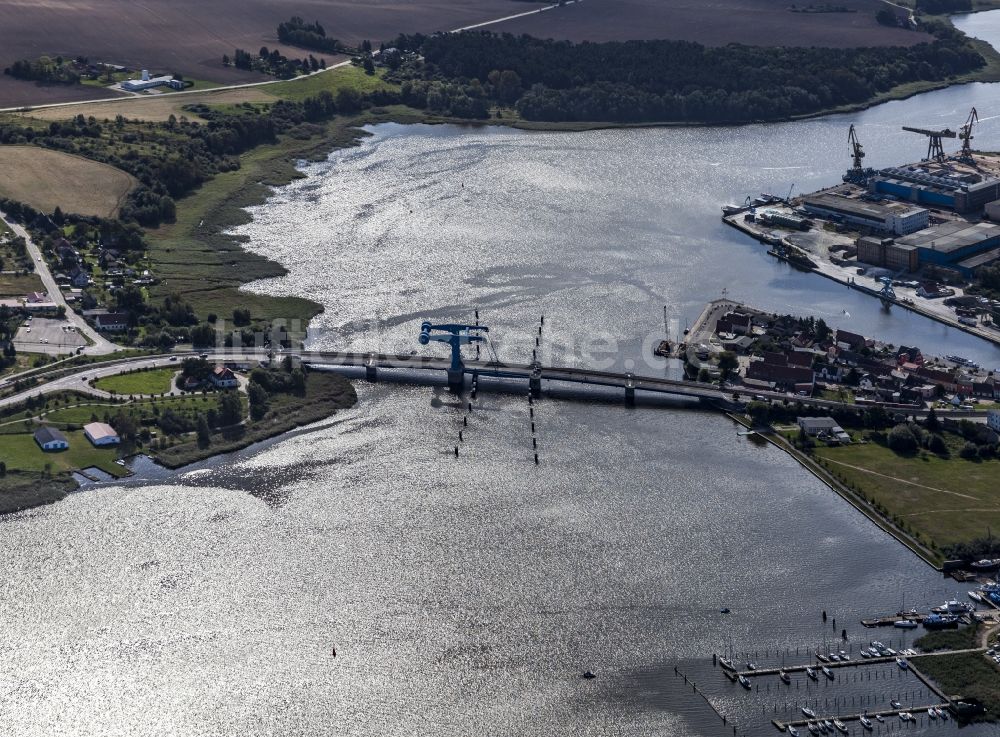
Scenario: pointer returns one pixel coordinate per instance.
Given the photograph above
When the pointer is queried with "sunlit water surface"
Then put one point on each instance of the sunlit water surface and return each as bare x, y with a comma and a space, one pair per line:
467, 596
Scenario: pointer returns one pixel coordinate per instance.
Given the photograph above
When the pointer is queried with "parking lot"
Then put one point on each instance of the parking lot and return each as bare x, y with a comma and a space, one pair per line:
43, 335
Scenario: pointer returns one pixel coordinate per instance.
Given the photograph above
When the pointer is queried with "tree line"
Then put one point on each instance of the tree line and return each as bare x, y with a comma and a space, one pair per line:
296, 32
43, 69
642, 81
273, 62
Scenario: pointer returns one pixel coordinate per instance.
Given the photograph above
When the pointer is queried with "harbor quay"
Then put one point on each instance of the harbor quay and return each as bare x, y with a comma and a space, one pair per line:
919, 236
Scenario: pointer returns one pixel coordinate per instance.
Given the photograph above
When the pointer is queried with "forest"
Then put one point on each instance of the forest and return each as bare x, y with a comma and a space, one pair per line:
645, 81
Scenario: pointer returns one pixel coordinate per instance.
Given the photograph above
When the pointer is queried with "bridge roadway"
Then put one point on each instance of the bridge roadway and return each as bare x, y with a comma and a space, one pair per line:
63, 378
625, 381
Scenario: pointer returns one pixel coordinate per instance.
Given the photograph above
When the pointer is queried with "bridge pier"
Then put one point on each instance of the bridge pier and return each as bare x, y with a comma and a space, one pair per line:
456, 381
630, 396
371, 373
535, 384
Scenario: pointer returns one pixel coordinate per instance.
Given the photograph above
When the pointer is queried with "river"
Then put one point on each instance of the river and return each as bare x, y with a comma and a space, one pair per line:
467, 595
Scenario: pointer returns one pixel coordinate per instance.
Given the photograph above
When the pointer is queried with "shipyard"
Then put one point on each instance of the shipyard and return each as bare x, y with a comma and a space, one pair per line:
918, 235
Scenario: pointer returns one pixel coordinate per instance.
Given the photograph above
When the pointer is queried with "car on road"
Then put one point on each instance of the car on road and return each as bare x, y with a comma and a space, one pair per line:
173, 358
28, 330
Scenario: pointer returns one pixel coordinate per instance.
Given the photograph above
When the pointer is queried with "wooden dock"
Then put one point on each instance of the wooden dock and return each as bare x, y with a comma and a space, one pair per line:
733, 675
890, 620
804, 722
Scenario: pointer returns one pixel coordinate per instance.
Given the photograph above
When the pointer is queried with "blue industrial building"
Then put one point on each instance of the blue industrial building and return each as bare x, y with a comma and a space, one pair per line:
937, 185
958, 245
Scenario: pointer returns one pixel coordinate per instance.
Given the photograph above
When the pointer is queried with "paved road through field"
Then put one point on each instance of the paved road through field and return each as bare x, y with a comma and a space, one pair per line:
124, 98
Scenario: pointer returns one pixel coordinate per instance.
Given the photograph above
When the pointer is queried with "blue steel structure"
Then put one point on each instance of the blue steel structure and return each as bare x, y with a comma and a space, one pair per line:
887, 291
456, 336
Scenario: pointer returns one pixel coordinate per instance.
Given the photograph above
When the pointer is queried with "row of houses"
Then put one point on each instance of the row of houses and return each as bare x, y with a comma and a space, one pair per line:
795, 360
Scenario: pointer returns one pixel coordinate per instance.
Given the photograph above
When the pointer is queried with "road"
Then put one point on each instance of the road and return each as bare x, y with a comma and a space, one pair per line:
77, 380
100, 345
338, 65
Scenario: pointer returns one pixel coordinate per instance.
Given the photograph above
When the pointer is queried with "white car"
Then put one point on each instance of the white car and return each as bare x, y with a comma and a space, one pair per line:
28, 330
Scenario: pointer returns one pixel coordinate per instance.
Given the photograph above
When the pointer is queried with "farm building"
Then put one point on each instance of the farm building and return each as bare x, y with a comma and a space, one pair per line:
101, 433
50, 439
147, 82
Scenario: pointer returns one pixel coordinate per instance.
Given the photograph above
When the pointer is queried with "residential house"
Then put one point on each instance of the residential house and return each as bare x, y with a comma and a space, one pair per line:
191, 384
112, 322
940, 377
78, 277
993, 420
736, 323
824, 428
803, 359
788, 378
67, 254
907, 354
223, 378
850, 340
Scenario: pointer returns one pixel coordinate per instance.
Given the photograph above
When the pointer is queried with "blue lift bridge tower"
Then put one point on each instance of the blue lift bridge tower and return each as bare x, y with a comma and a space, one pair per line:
456, 336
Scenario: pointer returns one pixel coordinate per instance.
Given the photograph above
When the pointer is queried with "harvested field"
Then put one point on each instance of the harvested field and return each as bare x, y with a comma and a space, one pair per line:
753, 22
163, 106
46, 179
190, 36
158, 108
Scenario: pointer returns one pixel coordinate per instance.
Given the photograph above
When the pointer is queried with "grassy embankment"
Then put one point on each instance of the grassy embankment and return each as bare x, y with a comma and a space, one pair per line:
194, 256
963, 638
35, 477
969, 675
325, 393
154, 381
938, 500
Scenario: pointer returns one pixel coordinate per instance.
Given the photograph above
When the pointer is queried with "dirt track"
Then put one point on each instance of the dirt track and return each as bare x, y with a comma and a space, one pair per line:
154, 108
